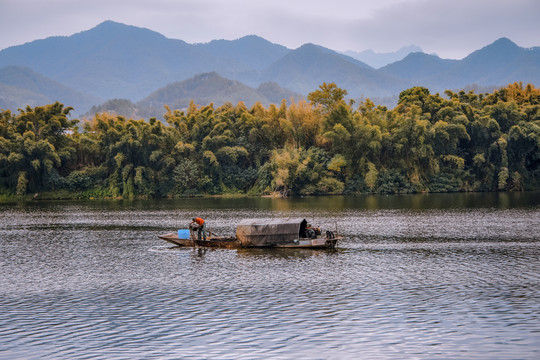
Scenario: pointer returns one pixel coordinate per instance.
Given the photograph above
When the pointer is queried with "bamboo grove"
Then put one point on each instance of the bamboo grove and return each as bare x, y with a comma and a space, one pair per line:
326, 145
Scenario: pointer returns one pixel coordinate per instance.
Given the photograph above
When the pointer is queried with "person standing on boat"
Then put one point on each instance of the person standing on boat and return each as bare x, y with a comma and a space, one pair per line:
200, 224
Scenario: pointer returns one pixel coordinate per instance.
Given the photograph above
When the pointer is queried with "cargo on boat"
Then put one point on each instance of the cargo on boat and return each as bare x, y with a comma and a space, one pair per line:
283, 233
289, 232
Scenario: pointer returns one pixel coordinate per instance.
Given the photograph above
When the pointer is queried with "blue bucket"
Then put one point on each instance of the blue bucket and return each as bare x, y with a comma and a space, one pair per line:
183, 234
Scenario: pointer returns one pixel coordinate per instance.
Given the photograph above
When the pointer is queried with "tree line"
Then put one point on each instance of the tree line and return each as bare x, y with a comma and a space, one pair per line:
325, 145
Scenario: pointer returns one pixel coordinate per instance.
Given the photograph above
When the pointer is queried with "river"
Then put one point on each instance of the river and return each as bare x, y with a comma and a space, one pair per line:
449, 276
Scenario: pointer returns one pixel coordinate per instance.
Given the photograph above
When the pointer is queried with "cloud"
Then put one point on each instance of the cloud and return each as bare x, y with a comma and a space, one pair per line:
450, 28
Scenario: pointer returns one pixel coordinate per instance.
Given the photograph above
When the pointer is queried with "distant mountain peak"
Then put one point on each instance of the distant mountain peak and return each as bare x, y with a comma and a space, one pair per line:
250, 51
112, 28
244, 39
421, 55
310, 46
109, 25
404, 50
252, 37
502, 44
504, 41
115, 25
409, 49
378, 60
257, 40
499, 50
310, 52
418, 65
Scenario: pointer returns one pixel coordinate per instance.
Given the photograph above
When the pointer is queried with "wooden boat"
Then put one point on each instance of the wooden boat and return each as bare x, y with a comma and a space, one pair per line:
280, 233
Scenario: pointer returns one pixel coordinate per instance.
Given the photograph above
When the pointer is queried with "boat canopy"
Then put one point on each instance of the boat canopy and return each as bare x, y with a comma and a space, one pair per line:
270, 232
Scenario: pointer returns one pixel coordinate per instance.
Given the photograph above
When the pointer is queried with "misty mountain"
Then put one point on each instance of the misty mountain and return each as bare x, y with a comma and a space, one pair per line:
499, 63
252, 51
276, 94
202, 89
122, 107
378, 60
305, 68
113, 60
13, 98
417, 67
244, 58
117, 61
20, 86
343, 56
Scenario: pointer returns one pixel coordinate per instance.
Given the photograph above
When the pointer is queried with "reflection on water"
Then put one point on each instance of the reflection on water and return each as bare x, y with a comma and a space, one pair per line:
418, 276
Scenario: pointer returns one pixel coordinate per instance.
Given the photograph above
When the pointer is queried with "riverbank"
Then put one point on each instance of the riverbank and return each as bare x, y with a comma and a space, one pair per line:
70, 195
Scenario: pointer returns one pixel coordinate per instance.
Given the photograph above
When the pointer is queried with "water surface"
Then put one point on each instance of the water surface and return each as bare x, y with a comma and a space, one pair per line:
418, 276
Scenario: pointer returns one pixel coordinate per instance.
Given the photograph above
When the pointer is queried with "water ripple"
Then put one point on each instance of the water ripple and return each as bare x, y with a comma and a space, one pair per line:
94, 282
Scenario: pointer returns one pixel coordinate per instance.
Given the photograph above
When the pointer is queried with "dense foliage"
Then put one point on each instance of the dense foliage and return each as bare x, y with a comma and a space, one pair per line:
427, 143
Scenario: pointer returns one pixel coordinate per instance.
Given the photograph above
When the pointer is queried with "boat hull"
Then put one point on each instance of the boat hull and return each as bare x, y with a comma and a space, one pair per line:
233, 243
317, 243
173, 239
219, 242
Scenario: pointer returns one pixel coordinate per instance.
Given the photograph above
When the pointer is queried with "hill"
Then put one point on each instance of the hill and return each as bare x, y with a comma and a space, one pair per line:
417, 67
499, 63
305, 68
202, 89
13, 98
276, 94
252, 51
122, 107
20, 86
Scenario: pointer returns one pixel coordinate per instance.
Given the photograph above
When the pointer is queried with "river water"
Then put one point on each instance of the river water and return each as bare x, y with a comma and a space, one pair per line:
454, 276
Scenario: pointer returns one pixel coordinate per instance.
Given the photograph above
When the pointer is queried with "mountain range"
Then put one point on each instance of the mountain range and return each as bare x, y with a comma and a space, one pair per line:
202, 89
118, 61
378, 60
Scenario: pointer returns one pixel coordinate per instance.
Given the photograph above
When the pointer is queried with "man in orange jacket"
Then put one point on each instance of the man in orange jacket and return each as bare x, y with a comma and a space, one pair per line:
200, 224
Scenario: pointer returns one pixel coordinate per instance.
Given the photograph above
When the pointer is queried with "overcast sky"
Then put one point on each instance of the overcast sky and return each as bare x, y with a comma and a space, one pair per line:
450, 28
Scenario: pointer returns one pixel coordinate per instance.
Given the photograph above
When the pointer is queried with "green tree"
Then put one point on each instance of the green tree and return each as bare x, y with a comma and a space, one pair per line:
328, 97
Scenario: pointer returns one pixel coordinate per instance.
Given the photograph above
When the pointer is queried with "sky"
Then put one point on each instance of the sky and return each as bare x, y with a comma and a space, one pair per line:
449, 28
